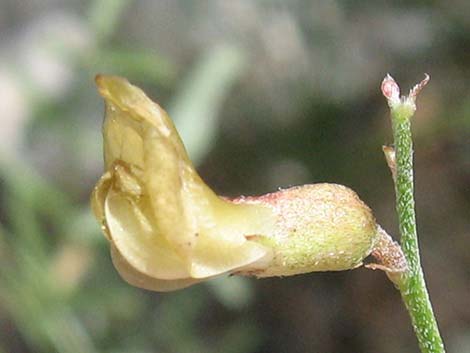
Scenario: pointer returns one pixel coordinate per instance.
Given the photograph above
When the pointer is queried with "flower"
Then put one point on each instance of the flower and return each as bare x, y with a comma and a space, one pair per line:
168, 230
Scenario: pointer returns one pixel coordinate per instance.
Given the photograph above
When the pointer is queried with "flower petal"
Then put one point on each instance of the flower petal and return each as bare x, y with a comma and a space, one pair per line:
141, 280
139, 133
213, 255
222, 245
198, 232
98, 199
135, 236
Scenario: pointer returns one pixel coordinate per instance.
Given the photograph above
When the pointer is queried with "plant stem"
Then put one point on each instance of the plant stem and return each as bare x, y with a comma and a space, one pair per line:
412, 285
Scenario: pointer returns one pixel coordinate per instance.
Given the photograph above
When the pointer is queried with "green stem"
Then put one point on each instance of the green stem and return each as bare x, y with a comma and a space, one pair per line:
412, 285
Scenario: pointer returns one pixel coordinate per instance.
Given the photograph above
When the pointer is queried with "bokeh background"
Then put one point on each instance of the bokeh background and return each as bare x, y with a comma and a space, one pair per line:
266, 94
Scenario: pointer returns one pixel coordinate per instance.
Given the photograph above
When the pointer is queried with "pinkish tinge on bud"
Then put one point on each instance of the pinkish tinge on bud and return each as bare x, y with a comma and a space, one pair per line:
390, 89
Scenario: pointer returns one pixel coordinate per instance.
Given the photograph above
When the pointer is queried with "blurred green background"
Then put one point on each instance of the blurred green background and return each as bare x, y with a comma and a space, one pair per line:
266, 94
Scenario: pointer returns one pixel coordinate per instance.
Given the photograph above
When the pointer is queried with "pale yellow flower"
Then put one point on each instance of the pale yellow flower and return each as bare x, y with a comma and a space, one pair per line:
168, 230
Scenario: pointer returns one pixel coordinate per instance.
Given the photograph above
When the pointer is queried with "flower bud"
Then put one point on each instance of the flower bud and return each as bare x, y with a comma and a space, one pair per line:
169, 230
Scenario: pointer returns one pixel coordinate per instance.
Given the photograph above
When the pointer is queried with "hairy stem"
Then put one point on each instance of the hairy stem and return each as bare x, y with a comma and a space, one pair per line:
412, 285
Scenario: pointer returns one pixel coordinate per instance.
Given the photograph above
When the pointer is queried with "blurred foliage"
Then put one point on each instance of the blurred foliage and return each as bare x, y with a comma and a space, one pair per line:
266, 94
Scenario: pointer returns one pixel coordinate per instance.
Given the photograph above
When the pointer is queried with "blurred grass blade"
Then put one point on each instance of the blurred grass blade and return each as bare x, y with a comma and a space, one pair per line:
104, 15
20, 212
141, 65
27, 185
197, 105
28, 291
